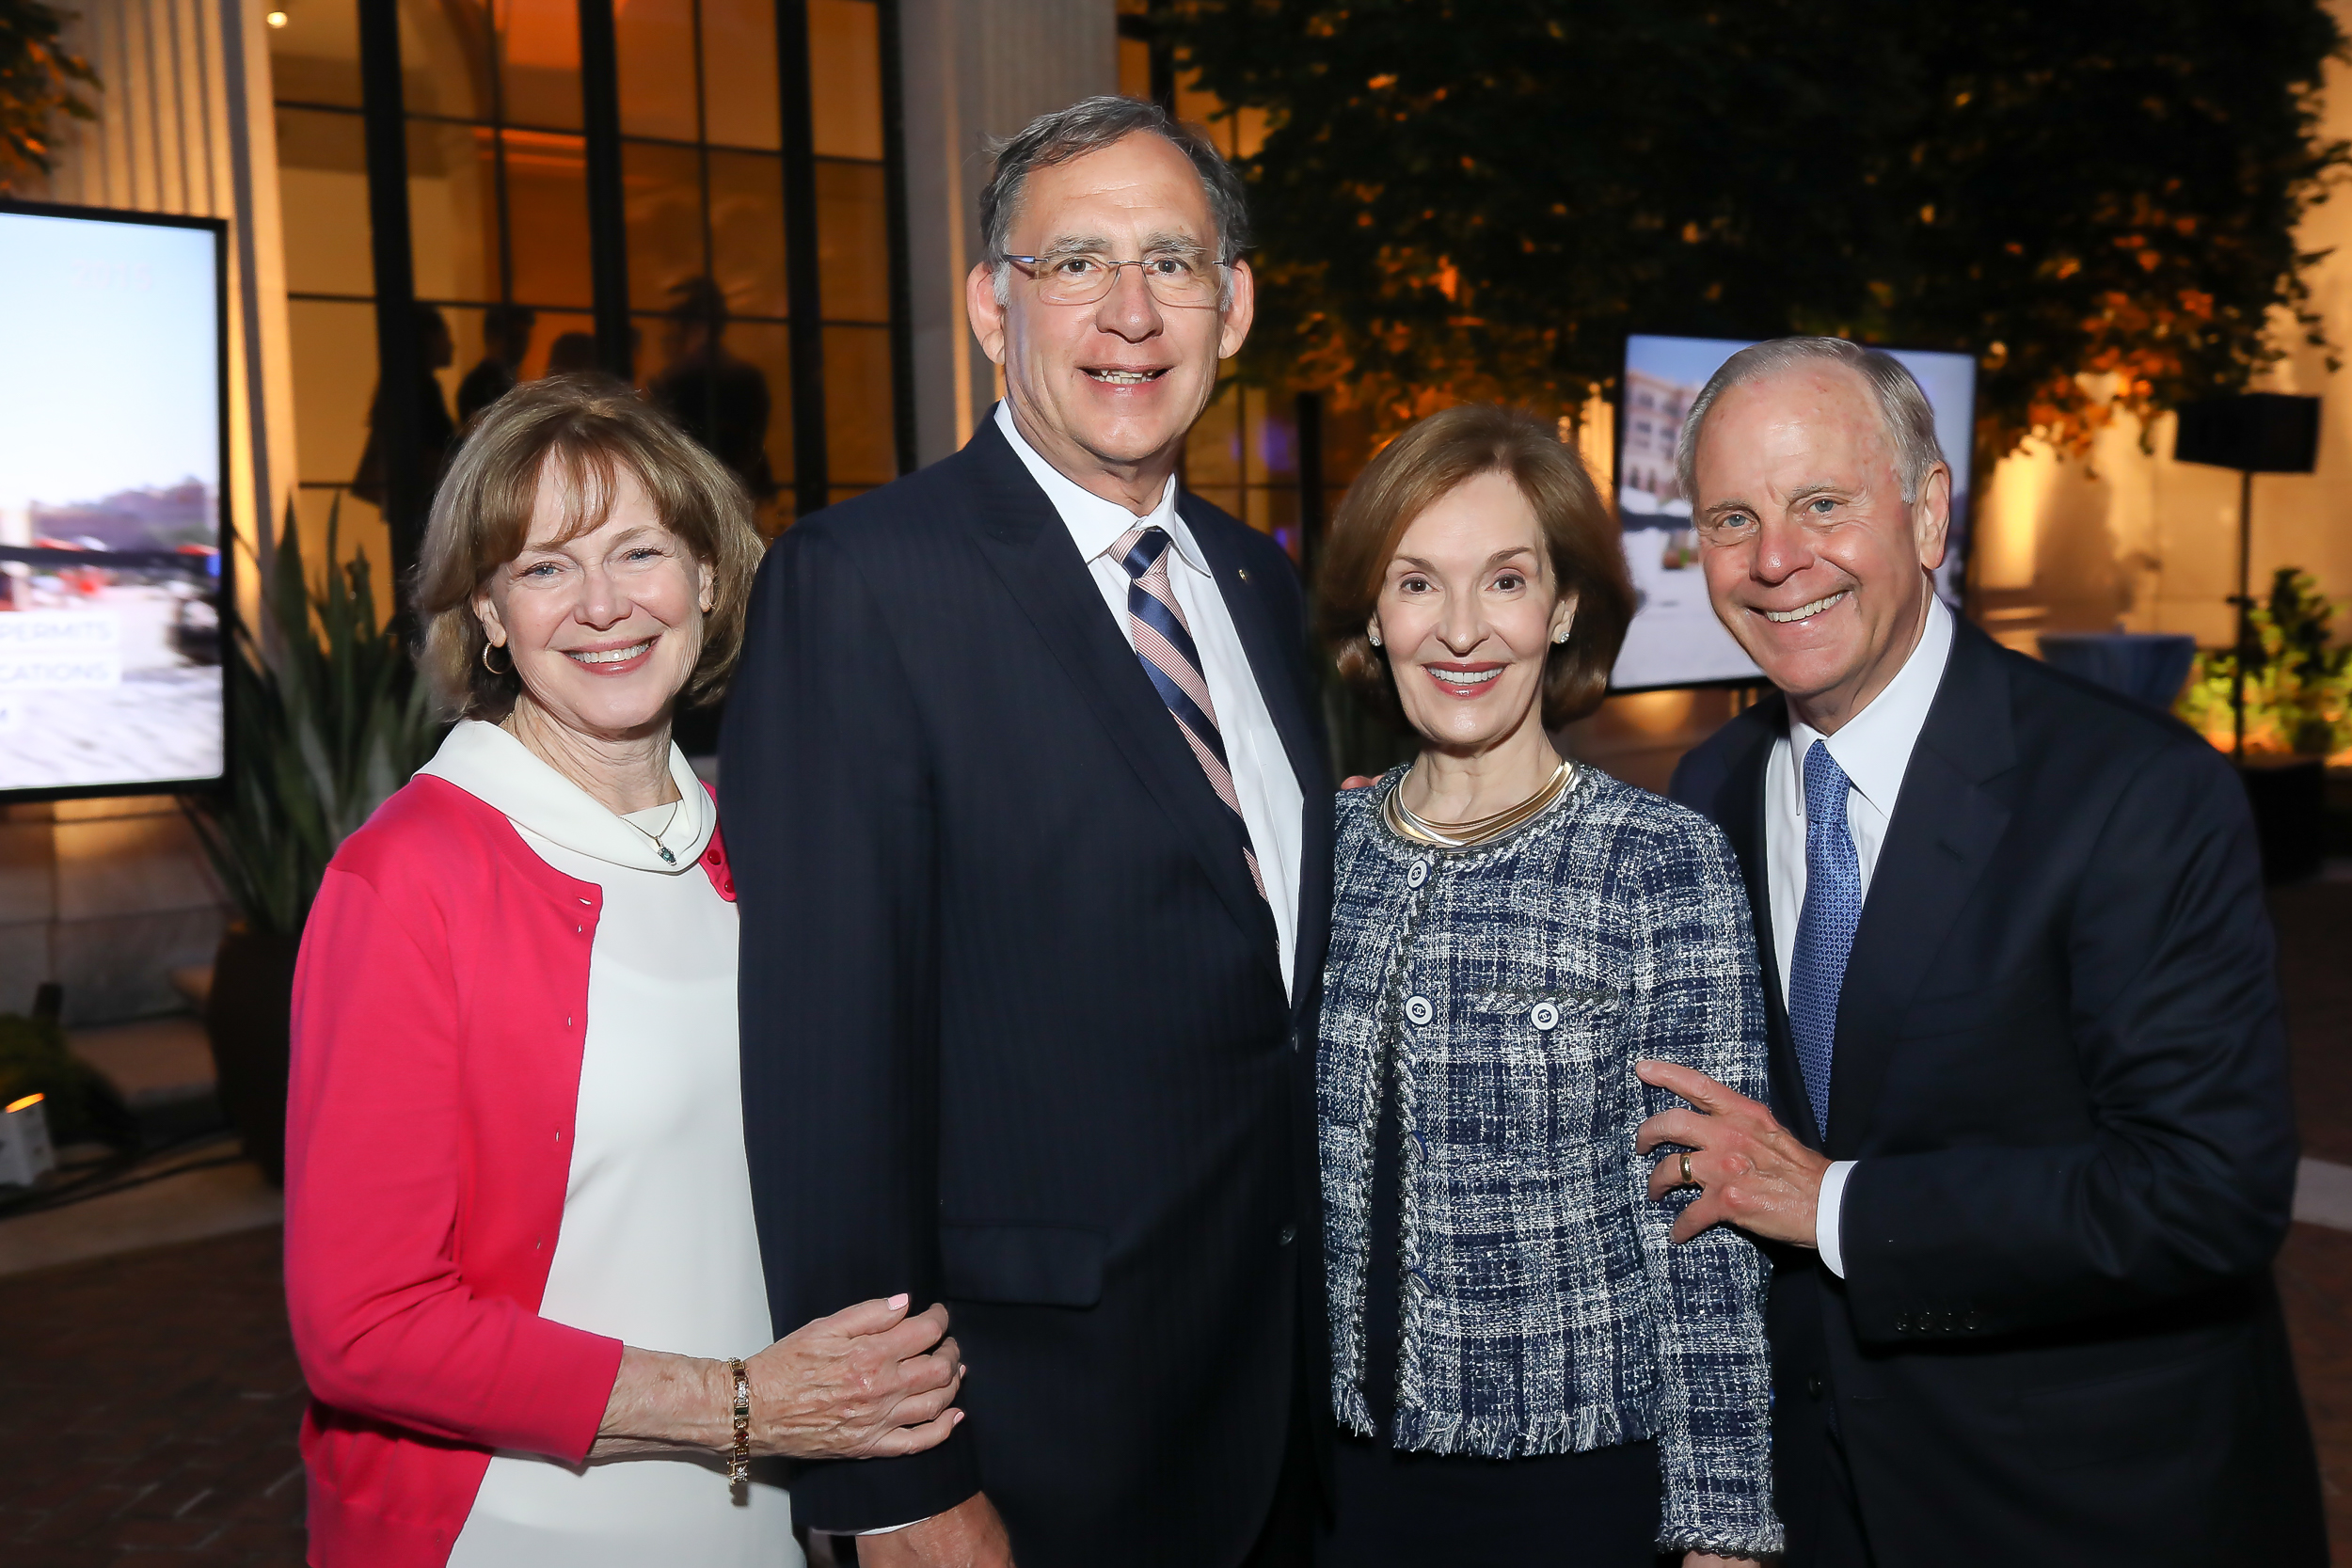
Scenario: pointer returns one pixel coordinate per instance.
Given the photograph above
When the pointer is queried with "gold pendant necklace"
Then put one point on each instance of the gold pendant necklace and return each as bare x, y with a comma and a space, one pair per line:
1463, 835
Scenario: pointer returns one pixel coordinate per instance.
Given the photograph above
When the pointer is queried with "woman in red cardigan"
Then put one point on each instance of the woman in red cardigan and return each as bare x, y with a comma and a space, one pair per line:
520, 1262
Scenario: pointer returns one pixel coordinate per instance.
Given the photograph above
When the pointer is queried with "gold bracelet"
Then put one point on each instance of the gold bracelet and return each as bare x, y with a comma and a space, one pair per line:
740, 1458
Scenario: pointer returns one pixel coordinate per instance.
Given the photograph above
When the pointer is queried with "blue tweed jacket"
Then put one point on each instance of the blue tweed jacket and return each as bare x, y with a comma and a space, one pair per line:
1511, 988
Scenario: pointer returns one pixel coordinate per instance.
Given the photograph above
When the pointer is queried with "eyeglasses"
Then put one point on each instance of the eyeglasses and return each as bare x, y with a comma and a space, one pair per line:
1079, 278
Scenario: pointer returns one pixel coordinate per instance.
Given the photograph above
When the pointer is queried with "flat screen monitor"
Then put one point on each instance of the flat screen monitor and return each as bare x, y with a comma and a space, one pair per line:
112, 567
1675, 638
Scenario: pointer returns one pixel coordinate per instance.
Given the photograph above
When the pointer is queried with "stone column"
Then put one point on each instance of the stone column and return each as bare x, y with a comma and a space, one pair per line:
976, 69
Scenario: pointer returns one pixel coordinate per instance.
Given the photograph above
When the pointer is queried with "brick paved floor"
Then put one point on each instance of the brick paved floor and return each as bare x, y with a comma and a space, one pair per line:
2315, 1282
148, 1402
147, 1408
2314, 924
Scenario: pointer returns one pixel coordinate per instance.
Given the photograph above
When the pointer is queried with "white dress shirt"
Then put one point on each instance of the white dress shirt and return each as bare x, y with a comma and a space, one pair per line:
1873, 748
1271, 805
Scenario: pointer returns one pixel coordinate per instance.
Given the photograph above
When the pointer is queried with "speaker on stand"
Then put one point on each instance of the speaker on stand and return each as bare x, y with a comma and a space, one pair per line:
2261, 433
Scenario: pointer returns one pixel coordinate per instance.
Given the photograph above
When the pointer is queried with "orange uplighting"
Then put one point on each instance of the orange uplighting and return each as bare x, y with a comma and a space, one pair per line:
20, 1104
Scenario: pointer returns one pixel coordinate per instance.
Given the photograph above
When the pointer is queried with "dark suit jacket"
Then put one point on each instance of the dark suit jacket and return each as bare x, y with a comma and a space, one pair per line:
1014, 1031
2060, 1063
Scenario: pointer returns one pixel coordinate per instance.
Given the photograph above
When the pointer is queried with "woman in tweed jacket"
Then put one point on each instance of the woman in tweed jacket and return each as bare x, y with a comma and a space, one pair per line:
1525, 1367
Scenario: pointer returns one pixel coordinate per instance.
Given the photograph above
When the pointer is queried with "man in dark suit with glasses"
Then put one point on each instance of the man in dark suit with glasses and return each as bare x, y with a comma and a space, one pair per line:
1025, 792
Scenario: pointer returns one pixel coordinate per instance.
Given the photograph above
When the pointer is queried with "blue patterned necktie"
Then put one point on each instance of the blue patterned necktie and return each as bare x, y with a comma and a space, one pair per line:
1833, 905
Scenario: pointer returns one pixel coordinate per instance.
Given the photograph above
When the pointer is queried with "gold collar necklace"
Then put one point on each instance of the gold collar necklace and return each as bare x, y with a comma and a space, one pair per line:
1466, 835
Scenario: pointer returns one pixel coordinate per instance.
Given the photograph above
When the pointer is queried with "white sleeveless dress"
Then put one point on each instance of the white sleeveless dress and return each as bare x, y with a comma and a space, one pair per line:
657, 1247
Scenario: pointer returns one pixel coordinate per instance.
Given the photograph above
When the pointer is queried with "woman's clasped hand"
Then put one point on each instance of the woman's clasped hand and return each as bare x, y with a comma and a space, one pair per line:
870, 1382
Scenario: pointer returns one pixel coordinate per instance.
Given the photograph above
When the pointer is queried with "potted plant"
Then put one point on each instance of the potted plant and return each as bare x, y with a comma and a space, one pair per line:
324, 727
83, 1105
2298, 713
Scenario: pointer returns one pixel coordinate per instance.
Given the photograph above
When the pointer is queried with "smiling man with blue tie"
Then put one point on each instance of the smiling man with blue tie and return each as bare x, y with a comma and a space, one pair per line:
2031, 1149
1026, 796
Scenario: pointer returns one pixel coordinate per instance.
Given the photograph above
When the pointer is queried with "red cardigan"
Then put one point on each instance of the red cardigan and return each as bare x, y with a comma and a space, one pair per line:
439, 1007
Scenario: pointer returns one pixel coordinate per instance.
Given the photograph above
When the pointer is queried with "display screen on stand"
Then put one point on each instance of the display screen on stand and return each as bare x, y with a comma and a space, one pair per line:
112, 371
1675, 638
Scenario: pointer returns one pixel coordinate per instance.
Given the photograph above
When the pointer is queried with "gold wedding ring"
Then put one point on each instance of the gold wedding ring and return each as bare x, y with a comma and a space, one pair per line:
1688, 1180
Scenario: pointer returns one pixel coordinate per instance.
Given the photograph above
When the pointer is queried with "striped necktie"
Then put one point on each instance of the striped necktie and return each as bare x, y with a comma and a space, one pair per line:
1164, 646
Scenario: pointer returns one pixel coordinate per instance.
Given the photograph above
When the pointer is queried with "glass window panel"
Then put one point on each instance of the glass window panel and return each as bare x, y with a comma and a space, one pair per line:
1225, 496
539, 59
452, 211
1213, 449
768, 345
444, 57
853, 241
657, 53
747, 231
740, 106
547, 197
560, 341
334, 376
845, 78
464, 323
1275, 510
314, 59
860, 444
323, 187
1273, 437
1347, 443
358, 529
724, 409
661, 196
479, 372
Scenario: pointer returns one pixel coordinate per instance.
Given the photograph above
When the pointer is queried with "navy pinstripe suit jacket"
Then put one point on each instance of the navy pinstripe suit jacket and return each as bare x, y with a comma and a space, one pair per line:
1014, 1034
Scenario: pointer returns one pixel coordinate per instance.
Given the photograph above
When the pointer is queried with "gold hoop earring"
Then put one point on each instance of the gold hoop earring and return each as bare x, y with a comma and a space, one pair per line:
486, 646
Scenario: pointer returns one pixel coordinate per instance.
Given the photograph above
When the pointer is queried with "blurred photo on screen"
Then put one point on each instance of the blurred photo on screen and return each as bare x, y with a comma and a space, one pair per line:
1675, 638
110, 502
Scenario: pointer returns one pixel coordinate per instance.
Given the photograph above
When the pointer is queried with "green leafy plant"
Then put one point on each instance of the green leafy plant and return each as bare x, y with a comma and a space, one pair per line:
323, 729
82, 1106
2298, 683
38, 82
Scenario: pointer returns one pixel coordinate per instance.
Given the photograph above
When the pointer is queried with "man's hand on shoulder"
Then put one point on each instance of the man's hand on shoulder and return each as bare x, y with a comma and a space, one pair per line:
1750, 1169
969, 1535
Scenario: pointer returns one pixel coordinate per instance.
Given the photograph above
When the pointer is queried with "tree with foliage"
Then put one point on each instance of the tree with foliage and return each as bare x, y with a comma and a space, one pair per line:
37, 83
1481, 197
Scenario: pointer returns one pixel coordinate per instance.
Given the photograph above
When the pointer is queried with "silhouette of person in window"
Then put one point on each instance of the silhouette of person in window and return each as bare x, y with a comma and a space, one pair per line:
435, 429
572, 353
505, 339
722, 400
